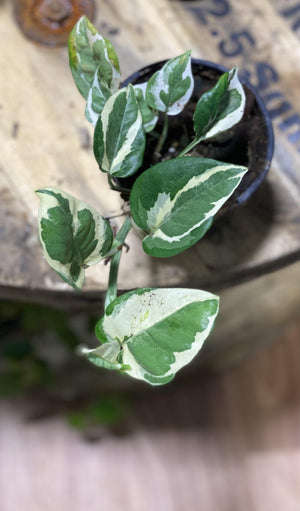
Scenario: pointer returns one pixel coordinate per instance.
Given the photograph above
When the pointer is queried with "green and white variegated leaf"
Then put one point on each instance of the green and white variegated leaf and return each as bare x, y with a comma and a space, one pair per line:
220, 108
72, 233
106, 356
170, 88
173, 202
119, 138
149, 116
159, 330
90, 53
97, 97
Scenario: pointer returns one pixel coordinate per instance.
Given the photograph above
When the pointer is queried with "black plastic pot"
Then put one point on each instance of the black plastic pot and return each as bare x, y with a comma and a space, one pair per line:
250, 143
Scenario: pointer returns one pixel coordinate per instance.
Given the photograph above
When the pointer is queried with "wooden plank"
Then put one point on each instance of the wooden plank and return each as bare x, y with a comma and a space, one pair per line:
45, 138
46, 141
290, 11
40, 123
229, 442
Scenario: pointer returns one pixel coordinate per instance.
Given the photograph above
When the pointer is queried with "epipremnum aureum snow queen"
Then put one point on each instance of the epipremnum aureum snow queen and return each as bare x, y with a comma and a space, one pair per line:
147, 333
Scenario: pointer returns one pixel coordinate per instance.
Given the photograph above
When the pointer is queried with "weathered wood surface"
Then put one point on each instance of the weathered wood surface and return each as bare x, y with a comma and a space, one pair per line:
45, 140
227, 443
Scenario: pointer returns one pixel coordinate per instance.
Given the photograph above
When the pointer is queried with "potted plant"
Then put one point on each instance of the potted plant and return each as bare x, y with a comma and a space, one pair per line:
174, 188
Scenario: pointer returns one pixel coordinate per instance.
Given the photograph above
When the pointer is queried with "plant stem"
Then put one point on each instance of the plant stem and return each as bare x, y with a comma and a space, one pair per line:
111, 293
163, 135
115, 262
117, 188
189, 147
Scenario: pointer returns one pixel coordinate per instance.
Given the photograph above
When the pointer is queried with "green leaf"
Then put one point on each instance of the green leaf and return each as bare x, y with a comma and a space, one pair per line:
119, 138
73, 234
173, 203
91, 54
149, 115
170, 88
220, 108
158, 331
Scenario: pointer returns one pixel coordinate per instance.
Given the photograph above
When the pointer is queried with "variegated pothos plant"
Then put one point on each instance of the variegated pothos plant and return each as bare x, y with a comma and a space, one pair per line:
147, 333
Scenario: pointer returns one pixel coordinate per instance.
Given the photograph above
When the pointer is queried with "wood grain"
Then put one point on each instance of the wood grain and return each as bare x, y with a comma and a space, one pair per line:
45, 141
225, 442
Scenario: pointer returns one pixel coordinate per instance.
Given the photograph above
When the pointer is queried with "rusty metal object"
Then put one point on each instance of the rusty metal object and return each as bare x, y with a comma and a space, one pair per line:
50, 22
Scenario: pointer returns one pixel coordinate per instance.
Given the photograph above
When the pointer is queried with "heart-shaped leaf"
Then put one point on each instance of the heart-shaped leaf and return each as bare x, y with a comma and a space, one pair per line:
173, 203
119, 138
220, 108
157, 331
73, 234
170, 88
90, 54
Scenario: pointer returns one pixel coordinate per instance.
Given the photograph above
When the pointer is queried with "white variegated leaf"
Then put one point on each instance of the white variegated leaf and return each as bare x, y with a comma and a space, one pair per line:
221, 108
97, 97
106, 356
119, 138
149, 116
174, 209
89, 53
72, 233
170, 88
159, 330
